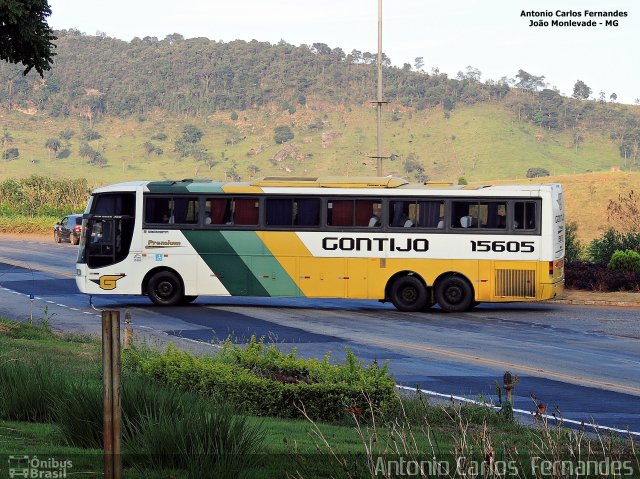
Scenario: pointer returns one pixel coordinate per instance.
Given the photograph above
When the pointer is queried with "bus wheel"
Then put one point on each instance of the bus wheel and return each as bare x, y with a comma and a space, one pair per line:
188, 299
408, 294
454, 294
165, 289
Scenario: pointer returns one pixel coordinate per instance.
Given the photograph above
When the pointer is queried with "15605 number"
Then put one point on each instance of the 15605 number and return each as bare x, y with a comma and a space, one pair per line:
500, 246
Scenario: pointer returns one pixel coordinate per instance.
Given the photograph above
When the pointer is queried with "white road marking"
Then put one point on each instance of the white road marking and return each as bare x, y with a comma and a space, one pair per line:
519, 411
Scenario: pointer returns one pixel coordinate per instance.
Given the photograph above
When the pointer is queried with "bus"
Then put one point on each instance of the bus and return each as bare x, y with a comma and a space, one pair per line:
415, 245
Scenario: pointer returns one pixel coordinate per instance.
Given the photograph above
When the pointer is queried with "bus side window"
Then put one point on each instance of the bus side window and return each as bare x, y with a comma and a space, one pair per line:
464, 214
279, 211
340, 213
308, 211
245, 211
401, 214
217, 211
493, 215
430, 214
524, 215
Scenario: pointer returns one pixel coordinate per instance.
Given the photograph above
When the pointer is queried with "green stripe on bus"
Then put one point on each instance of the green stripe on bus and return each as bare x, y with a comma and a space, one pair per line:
242, 263
182, 187
266, 268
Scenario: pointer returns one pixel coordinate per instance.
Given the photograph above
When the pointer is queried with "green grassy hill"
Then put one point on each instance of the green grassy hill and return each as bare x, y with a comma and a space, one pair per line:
480, 142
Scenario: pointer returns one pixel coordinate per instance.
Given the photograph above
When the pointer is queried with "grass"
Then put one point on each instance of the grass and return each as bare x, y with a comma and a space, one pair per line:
165, 427
479, 142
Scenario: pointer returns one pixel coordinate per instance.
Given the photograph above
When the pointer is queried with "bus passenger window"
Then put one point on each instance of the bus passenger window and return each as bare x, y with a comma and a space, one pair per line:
430, 214
245, 211
464, 214
185, 211
217, 211
279, 211
524, 215
493, 215
360, 213
403, 214
307, 211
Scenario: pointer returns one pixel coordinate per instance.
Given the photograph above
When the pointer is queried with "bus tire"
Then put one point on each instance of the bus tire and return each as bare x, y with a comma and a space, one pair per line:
165, 289
408, 294
454, 294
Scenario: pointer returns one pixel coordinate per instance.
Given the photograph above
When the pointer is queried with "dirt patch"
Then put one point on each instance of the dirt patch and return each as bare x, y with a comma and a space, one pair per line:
28, 236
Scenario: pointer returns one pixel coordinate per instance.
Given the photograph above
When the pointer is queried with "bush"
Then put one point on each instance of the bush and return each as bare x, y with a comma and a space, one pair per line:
628, 261
597, 277
573, 247
10, 153
264, 381
282, 134
601, 249
537, 172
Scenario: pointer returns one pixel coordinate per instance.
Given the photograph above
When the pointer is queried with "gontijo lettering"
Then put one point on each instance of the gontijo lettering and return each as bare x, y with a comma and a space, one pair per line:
375, 244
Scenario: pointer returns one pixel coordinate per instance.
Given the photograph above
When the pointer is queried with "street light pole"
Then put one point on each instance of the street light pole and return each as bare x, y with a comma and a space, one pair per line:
379, 101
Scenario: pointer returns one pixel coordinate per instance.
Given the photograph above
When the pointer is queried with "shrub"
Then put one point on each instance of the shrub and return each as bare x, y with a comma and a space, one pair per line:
537, 172
282, 134
159, 136
627, 260
264, 381
10, 153
597, 277
90, 135
601, 249
573, 247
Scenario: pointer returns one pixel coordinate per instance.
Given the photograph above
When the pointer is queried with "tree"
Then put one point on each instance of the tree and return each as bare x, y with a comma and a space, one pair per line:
418, 63
191, 134
613, 97
624, 213
282, 134
7, 139
529, 82
581, 91
25, 36
52, 145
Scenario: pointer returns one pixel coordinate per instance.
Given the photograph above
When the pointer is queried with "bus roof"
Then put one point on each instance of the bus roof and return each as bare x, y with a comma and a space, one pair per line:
311, 185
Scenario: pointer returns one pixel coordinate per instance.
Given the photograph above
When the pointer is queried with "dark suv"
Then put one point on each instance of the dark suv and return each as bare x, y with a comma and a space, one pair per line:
68, 229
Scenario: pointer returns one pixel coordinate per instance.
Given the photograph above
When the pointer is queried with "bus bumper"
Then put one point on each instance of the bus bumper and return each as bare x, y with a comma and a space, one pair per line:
552, 290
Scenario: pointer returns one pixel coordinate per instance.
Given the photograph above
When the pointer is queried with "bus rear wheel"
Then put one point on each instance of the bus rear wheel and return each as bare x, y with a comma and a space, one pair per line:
165, 289
454, 294
408, 294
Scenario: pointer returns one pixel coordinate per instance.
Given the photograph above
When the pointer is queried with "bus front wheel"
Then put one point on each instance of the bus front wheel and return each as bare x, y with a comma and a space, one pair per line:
165, 289
454, 294
408, 294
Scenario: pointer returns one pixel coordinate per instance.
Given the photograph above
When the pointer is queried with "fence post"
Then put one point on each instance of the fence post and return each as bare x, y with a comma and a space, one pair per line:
111, 394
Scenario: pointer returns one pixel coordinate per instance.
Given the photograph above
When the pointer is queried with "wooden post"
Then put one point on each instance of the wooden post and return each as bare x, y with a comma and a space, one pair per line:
128, 331
111, 394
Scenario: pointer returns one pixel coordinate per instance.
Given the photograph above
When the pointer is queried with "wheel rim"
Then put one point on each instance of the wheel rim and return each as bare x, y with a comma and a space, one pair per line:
165, 289
454, 294
409, 295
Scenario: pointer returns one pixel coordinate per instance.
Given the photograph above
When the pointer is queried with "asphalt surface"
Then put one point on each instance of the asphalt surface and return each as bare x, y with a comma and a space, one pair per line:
582, 361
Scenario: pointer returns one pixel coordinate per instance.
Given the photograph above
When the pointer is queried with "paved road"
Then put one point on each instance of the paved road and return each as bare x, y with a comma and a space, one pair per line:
584, 360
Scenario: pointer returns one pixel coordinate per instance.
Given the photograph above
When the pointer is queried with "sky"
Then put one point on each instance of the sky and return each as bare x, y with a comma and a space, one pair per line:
489, 35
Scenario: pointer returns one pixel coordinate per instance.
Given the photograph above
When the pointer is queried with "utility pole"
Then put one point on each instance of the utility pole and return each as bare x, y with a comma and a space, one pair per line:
379, 102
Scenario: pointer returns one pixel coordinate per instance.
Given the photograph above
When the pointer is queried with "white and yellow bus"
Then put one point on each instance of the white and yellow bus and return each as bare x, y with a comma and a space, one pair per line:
370, 238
